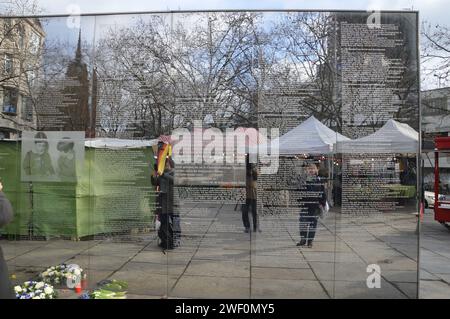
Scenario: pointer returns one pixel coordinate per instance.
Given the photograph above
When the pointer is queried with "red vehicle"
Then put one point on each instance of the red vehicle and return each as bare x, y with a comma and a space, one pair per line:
442, 202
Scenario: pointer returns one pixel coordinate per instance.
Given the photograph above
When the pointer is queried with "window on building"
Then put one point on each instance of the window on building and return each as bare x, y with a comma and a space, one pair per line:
8, 64
20, 37
435, 106
27, 109
7, 26
10, 101
35, 42
31, 77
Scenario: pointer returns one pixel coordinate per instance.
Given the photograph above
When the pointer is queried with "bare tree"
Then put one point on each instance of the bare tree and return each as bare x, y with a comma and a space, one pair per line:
174, 74
435, 53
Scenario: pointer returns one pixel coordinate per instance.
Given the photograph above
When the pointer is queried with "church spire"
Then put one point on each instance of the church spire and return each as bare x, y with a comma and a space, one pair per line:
78, 52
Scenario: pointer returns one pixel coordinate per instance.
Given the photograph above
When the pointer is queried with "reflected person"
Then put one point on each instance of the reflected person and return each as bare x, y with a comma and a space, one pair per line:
37, 162
251, 195
165, 183
315, 198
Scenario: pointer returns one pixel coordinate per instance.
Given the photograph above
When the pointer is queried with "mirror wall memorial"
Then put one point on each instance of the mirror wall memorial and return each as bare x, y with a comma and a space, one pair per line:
250, 154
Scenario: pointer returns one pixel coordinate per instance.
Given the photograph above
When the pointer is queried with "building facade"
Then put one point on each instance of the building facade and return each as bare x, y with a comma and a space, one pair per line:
436, 112
21, 42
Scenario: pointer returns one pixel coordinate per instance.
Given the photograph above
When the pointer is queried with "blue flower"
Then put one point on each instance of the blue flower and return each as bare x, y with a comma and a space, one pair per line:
85, 296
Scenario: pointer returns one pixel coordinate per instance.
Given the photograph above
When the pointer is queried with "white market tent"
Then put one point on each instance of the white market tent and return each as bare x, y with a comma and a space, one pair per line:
310, 137
392, 137
115, 143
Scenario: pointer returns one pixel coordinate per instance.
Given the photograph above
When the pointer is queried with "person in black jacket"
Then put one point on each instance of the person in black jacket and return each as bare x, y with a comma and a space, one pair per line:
165, 209
314, 197
251, 196
6, 214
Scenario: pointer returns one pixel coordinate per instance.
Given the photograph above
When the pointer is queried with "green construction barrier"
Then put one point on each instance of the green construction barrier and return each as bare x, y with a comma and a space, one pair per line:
112, 195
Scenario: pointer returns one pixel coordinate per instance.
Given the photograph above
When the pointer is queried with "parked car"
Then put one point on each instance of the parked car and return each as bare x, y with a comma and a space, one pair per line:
429, 199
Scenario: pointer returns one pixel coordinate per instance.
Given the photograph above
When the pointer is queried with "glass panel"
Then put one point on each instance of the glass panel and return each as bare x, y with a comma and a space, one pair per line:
380, 112
214, 154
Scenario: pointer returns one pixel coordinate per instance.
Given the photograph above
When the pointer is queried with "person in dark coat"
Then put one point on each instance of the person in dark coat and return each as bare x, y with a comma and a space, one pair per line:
251, 195
314, 198
6, 215
165, 204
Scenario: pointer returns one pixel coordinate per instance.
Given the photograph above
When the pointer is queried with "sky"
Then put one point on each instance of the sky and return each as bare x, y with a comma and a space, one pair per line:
432, 11
435, 11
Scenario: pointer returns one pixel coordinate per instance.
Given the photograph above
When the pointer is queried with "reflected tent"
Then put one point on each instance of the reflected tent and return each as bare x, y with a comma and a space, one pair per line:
310, 137
392, 137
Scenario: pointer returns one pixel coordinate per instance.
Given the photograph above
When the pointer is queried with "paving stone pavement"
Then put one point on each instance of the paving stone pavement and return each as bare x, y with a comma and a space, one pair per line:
435, 259
216, 259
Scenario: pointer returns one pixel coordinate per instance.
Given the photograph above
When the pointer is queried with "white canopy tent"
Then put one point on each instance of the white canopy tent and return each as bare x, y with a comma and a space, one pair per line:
393, 137
310, 137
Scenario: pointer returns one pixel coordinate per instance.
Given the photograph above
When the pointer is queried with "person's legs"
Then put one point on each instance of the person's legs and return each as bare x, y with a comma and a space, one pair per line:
245, 218
254, 214
166, 232
313, 218
303, 228
164, 219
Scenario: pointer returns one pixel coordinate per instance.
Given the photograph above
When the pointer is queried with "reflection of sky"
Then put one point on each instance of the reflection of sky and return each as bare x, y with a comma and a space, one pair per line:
93, 28
432, 10
58, 29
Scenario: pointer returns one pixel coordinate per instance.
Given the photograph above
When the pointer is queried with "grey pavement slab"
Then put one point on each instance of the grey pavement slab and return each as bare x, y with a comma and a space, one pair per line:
44, 257
223, 254
396, 263
404, 276
211, 287
288, 289
146, 283
432, 289
98, 262
296, 261
227, 243
70, 244
330, 256
444, 277
12, 249
170, 257
219, 268
326, 271
276, 251
425, 275
338, 246
409, 289
114, 249
282, 273
359, 290
152, 268
436, 265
